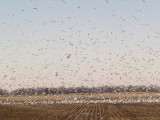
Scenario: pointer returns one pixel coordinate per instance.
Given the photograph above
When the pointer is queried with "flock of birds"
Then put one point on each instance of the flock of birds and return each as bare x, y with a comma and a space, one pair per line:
33, 100
72, 54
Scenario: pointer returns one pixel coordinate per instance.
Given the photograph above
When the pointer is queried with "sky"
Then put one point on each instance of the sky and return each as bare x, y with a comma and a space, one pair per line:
50, 43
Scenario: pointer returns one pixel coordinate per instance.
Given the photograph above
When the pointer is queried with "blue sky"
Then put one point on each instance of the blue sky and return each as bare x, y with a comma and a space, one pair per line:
110, 43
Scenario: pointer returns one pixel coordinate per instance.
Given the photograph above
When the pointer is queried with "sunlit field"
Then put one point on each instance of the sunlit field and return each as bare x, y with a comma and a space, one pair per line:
88, 106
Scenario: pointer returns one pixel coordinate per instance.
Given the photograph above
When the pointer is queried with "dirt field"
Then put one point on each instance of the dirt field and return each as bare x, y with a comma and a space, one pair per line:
43, 110
139, 111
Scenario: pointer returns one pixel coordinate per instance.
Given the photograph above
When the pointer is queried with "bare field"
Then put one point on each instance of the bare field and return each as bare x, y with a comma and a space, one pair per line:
131, 111
51, 107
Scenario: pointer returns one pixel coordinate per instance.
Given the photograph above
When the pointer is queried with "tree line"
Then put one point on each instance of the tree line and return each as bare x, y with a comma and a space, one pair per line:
82, 89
